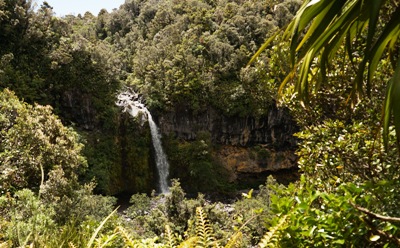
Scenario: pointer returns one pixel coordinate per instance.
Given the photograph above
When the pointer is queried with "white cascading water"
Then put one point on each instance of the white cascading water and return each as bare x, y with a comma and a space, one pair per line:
131, 102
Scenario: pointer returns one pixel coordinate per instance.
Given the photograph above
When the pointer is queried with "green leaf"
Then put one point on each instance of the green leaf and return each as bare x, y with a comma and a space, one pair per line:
339, 241
302, 86
94, 235
321, 13
374, 8
374, 238
322, 25
395, 98
263, 47
387, 111
390, 33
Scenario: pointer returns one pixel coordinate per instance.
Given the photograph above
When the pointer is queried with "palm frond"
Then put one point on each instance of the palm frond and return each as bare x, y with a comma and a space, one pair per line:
392, 105
321, 27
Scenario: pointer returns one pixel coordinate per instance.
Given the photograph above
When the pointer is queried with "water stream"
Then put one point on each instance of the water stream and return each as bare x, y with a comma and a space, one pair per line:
132, 103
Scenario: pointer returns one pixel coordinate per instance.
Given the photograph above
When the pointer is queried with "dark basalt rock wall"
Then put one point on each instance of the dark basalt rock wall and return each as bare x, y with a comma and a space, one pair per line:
245, 145
77, 107
274, 129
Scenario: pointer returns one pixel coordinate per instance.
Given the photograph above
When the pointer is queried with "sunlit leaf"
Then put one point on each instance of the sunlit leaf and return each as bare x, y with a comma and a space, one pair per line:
374, 238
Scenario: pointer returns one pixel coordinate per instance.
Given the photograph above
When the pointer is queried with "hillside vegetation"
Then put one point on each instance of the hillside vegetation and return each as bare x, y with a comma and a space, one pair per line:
66, 148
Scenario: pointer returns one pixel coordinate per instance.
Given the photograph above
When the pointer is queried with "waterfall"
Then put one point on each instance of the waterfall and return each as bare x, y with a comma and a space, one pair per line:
132, 103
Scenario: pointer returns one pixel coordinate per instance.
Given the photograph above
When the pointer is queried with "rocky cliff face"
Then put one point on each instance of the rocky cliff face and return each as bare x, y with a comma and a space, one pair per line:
245, 145
239, 161
77, 107
247, 148
275, 129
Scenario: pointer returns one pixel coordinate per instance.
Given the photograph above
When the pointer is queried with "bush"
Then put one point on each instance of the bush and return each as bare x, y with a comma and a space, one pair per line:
344, 217
335, 152
33, 143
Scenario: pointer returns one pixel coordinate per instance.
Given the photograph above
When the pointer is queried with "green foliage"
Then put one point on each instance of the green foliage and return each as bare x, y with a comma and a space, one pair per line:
345, 165
347, 170
150, 216
192, 162
317, 218
187, 54
28, 219
203, 230
121, 161
96, 232
191, 222
170, 237
252, 210
79, 203
57, 61
271, 238
33, 144
41, 161
204, 236
235, 240
367, 33
191, 53
332, 153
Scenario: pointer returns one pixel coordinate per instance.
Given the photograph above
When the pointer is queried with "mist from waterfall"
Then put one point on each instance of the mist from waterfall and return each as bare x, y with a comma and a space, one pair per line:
132, 103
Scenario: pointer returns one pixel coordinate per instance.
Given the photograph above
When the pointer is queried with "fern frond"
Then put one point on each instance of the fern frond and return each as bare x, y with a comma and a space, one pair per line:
129, 242
170, 237
107, 240
203, 230
270, 238
235, 241
71, 245
190, 243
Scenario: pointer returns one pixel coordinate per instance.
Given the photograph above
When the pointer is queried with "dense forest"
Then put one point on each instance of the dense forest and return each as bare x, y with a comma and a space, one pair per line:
279, 119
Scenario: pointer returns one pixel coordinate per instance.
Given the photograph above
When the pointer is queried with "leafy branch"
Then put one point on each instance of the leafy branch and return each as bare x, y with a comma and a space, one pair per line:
374, 215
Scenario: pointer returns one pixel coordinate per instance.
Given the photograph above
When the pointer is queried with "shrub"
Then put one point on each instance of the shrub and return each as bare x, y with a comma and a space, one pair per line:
344, 217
